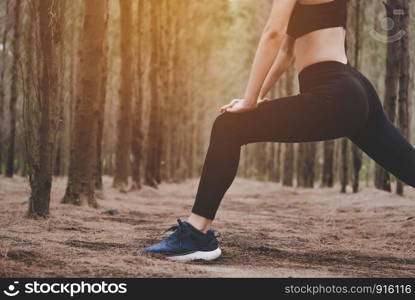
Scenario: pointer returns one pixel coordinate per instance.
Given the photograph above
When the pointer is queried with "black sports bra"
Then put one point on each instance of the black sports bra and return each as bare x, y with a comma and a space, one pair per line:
306, 18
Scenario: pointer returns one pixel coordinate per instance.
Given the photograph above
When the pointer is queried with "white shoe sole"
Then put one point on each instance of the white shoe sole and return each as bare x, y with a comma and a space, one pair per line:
203, 255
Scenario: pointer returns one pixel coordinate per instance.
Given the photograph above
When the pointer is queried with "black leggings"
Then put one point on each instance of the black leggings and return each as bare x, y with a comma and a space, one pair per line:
335, 101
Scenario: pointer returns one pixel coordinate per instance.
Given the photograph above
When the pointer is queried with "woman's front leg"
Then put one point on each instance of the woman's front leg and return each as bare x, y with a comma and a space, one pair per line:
300, 118
200, 223
219, 169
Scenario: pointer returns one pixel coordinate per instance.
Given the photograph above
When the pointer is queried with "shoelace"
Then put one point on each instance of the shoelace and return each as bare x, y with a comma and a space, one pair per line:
181, 228
175, 227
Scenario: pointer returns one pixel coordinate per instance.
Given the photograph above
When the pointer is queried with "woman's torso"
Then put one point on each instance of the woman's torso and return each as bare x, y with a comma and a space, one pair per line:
326, 44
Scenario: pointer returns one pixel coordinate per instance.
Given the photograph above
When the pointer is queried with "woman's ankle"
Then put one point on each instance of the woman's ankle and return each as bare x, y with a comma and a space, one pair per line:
200, 223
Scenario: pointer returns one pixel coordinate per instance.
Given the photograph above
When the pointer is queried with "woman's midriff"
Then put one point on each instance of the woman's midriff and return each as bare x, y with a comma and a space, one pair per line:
322, 45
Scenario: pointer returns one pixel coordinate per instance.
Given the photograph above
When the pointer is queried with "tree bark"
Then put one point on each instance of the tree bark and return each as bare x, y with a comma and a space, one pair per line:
3, 69
41, 132
82, 168
277, 160
344, 165
59, 62
356, 30
164, 92
137, 135
404, 80
306, 164
383, 180
153, 157
176, 143
327, 178
288, 166
101, 112
10, 168
126, 96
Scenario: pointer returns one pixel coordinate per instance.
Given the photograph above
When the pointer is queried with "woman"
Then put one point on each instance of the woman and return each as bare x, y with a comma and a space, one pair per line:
335, 101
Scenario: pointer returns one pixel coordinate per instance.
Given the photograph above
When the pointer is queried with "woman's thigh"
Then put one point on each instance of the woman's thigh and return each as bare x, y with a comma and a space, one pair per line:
302, 118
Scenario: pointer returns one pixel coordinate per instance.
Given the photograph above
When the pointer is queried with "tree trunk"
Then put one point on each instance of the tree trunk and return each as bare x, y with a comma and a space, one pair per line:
82, 167
288, 174
344, 165
288, 167
137, 135
126, 96
13, 90
327, 178
164, 35
152, 162
58, 157
174, 151
306, 164
59, 61
382, 180
354, 54
404, 80
169, 105
101, 111
277, 160
3, 68
41, 132
357, 166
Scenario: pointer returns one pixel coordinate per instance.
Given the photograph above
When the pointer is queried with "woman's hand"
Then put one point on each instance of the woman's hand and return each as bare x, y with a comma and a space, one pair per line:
263, 100
238, 106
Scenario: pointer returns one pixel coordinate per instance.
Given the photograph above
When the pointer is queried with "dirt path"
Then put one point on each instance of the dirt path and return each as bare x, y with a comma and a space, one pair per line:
267, 231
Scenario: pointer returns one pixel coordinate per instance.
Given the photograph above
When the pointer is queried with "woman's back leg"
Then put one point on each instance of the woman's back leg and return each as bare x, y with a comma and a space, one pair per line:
384, 143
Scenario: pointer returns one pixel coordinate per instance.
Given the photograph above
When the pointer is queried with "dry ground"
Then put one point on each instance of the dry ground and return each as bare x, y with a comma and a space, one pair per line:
266, 231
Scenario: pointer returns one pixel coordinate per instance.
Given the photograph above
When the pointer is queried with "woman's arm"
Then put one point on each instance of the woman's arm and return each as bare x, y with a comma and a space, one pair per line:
281, 64
268, 48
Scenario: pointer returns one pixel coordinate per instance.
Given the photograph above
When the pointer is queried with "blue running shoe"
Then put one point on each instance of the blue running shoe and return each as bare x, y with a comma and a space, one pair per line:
186, 243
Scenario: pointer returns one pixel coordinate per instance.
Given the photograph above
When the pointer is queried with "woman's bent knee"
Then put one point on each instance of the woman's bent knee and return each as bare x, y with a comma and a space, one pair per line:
225, 128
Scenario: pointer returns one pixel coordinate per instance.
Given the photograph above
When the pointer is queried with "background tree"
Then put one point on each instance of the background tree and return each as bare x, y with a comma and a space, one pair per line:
126, 95
41, 105
327, 177
154, 134
306, 164
382, 179
81, 177
288, 165
10, 168
354, 45
101, 112
137, 140
344, 164
3, 67
404, 78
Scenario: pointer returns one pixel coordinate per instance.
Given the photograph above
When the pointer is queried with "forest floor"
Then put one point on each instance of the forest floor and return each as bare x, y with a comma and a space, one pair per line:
266, 231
